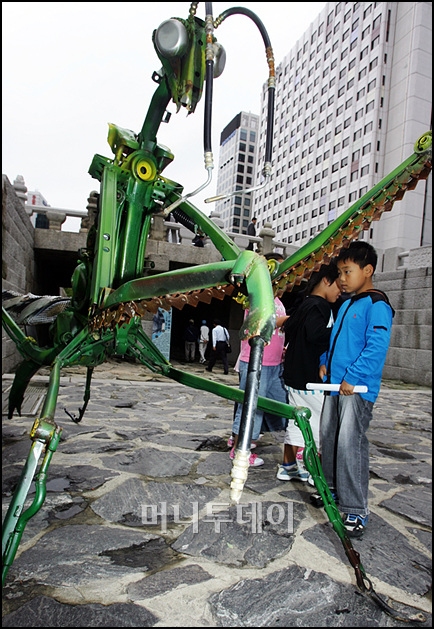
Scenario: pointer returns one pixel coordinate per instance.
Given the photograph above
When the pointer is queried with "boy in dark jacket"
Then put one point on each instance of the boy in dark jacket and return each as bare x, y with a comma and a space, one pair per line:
307, 335
356, 355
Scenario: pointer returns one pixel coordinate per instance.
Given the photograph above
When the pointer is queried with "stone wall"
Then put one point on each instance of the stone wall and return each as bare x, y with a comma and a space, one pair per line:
18, 266
409, 358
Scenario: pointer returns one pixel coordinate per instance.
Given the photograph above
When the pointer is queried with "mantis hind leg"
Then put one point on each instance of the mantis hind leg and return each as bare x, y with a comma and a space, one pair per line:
45, 436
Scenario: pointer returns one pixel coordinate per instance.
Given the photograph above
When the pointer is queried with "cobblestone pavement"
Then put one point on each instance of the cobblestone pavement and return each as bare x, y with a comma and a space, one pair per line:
137, 528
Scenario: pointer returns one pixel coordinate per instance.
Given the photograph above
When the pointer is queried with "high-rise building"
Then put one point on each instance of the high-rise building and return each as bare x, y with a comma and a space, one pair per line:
237, 159
352, 97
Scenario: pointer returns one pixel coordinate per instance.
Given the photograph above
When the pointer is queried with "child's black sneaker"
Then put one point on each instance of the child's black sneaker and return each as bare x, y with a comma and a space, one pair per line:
317, 501
355, 524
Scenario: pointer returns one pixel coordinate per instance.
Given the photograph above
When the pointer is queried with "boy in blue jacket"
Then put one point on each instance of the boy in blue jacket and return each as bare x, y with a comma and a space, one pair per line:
357, 352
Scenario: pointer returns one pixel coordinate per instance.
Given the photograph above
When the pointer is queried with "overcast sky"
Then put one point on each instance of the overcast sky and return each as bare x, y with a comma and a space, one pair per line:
70, 68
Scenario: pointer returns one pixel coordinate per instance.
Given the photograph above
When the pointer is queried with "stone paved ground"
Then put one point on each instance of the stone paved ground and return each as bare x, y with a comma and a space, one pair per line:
137, 528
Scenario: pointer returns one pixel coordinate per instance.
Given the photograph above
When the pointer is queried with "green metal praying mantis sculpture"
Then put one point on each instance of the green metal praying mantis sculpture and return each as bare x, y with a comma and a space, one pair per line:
112, 290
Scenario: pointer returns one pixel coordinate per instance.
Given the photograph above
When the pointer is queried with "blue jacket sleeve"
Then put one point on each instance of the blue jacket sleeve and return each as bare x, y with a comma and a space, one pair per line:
368, 366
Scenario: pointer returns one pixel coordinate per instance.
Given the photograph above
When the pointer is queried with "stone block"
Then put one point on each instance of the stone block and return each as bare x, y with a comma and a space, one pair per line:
401, 357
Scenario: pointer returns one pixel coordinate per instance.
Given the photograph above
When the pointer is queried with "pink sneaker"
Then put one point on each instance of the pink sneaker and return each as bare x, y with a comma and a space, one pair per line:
254, 459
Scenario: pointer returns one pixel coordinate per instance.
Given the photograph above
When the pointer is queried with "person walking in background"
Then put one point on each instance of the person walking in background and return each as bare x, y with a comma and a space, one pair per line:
198, 240
191, 337
356, 355
307, 335
220, 339
271, 382
203, 341
251, 231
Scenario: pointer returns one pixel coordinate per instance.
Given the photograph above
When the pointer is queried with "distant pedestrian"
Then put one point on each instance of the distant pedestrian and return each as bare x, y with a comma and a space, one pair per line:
220, 339
198, 240
203, 341
191, 337
251, 231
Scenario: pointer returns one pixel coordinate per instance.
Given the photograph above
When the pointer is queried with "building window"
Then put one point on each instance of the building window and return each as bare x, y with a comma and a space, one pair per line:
364, 52
373, 64
356, 156
375, 42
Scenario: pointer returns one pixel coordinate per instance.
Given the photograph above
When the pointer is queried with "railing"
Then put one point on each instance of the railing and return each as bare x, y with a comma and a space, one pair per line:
264, 243
169, 231
54, 215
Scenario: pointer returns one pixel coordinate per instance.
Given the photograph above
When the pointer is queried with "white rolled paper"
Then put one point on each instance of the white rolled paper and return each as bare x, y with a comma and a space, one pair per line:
322, 386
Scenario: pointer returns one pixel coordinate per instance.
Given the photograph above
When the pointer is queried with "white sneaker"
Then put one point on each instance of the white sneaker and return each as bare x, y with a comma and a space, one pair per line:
291, 473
